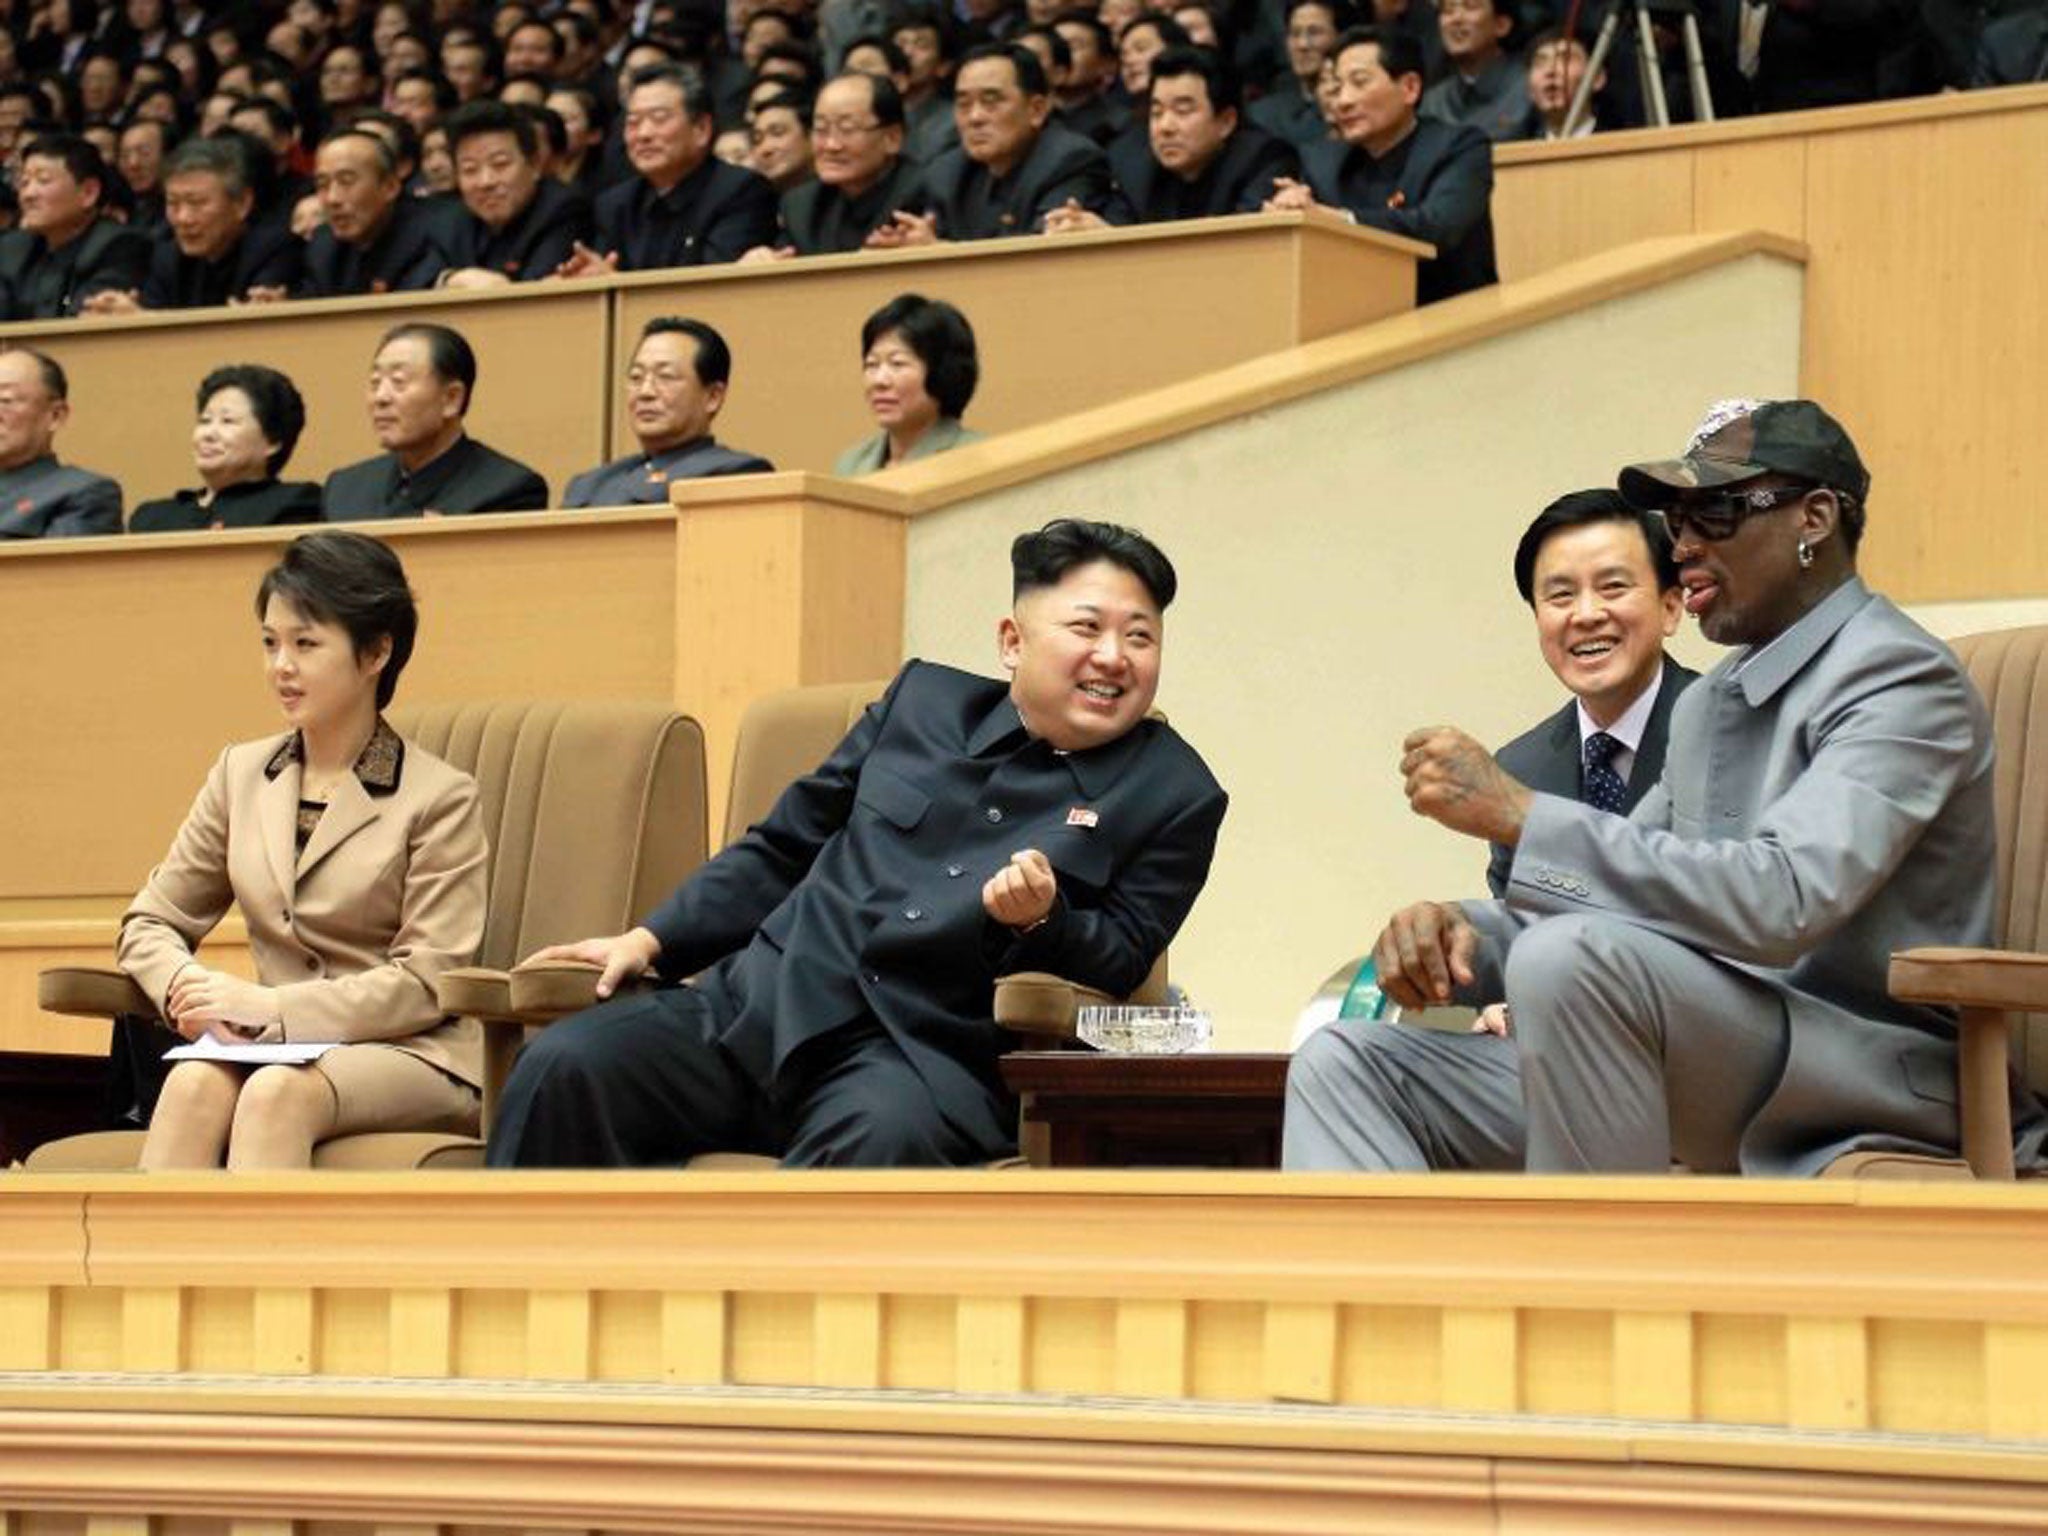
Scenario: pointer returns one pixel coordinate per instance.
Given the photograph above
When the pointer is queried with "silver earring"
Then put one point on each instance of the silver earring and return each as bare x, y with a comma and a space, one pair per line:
1805, 555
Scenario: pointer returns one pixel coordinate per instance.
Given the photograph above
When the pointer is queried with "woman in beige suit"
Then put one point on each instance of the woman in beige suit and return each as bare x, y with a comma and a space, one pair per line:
358, 863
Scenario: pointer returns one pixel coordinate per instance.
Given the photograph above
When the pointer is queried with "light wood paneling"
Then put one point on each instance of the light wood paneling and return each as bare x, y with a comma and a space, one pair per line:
543, 372
1926, 240
1187, 1353
1060, 325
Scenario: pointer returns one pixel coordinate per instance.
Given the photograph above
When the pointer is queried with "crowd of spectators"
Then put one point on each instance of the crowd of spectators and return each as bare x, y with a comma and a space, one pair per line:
165, 154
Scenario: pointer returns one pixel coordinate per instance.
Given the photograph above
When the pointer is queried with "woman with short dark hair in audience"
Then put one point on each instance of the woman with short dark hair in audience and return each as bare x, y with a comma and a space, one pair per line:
357, 861
250, 418
920, 368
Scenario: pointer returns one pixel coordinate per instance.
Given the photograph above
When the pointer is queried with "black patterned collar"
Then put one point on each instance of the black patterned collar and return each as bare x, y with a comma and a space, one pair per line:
378, 765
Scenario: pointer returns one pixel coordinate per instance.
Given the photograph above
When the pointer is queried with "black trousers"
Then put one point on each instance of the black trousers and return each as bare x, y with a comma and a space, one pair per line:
642, 1081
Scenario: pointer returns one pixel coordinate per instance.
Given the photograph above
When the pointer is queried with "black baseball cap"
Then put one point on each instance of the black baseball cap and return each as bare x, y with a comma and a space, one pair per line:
1741, 439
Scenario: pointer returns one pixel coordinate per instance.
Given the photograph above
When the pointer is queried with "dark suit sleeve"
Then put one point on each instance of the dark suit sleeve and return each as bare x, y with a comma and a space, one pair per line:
121, 267
278, 265
553, 245
1082, 178
159, 283
92, 508
1113, 945
1452, 203
426, 263
743, 221
1278, 159
717, 909
529, 493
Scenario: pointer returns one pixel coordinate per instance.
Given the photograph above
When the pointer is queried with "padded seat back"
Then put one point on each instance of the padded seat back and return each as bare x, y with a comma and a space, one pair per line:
2010, 669
782, 737
595, 810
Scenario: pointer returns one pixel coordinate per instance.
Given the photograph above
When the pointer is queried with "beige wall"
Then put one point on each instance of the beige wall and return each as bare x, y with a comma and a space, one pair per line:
1927, 235
1344, 561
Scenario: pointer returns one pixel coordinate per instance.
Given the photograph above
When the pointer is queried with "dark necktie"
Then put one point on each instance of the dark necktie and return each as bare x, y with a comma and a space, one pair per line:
1604, 789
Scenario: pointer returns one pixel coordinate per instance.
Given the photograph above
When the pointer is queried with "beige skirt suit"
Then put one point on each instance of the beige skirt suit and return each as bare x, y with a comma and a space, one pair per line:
353, 929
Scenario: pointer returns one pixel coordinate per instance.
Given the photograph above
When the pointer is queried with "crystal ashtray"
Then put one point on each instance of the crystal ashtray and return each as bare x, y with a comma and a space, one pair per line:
1145, 1031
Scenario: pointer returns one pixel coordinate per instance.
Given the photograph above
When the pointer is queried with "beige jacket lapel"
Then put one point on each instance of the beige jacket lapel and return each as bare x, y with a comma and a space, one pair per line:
348, 812
277, 818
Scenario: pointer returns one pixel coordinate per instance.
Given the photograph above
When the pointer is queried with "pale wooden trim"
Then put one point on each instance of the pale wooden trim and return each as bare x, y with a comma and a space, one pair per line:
1014, 457
1778, 125
866, 1464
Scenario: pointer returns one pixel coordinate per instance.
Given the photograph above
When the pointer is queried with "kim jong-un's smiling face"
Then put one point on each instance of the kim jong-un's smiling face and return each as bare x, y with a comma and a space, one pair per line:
1083, 655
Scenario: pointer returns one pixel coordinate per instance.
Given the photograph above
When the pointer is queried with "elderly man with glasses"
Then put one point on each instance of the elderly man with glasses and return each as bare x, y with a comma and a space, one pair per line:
1704, 981
862, 178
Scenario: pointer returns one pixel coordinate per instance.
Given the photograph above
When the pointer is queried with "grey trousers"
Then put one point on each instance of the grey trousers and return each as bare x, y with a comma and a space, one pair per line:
1628, 1049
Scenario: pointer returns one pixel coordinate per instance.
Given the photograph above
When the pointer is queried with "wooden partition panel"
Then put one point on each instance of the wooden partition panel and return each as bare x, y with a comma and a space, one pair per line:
132, 663
542, 373
1924, 313
1060, 324
1257, 1355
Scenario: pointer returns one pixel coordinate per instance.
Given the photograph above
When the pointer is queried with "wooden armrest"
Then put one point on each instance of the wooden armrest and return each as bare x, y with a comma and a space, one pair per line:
1040, 1003
91, 992
475, 992
1971, 978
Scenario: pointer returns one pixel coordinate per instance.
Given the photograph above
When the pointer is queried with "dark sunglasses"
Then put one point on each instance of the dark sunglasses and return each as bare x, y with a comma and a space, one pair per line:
1714, 515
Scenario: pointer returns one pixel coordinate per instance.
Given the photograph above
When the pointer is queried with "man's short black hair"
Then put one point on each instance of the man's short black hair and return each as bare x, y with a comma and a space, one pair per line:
282, 120
387, 161
1176, 63
280, 410
795, 55
943, 341
885, 46
1171, 33
1042, 559
1030, 68
482, 116
555, 49
1079, 16
448, 354
1400, 54
1062, 54
55, 384
884, 100
80, 157
790, 99
1578, 509
1342, 17
713, 361
696, 93
355, 581
445, 97
927, 17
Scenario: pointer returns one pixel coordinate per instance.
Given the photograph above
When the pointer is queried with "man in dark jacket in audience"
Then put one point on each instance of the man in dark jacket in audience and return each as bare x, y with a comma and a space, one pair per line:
1428, 181
213, 252
861, 176
684, 207
516, 223
39, 497
1203, 160
66, 249
675, 388
376, 239
421, 382
1013, 166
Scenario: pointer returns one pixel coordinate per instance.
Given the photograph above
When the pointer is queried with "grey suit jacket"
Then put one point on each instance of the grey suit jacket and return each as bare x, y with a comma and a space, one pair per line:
1548, 758
1826, 801
49, 500
866, 456
641, 479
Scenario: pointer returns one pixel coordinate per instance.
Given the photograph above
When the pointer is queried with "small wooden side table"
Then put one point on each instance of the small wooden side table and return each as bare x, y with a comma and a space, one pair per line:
1101, 1109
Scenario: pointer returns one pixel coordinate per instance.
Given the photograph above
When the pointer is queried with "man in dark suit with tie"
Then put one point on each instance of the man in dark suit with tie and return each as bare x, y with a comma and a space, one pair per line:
844, 952
420, 386
1599, 577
